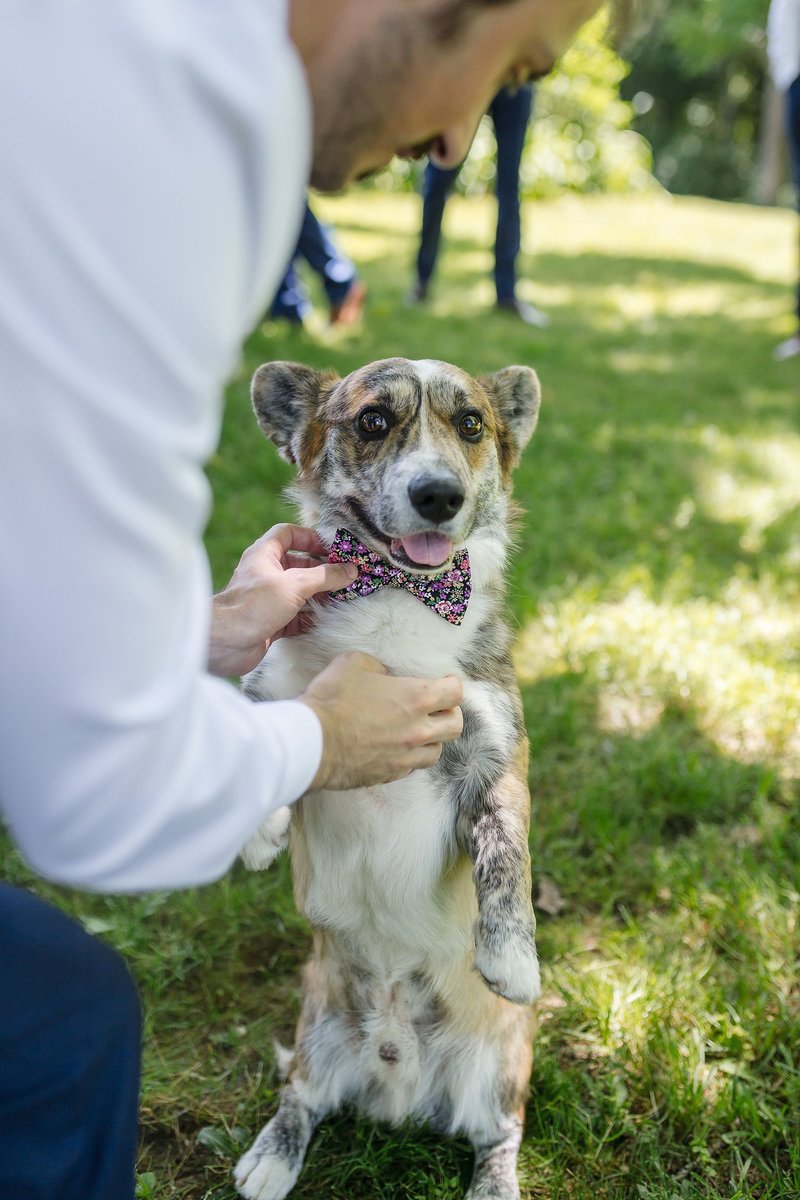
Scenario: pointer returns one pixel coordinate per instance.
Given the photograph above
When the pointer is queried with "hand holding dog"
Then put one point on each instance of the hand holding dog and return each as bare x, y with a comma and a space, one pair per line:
379, 727
265, 598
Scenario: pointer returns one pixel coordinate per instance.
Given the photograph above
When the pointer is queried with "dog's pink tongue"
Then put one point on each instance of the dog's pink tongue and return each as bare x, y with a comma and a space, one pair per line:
430, 549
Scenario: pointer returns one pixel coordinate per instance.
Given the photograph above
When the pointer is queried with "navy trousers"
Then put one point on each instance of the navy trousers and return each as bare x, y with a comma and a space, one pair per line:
510, 112
316, 245
70, 1036
793, 116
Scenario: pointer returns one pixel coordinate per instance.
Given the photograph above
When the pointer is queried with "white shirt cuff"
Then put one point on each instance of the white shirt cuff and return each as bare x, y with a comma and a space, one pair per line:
293, 745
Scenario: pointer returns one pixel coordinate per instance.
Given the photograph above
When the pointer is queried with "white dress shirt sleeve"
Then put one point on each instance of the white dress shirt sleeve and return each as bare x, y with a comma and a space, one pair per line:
154, 157
783, 42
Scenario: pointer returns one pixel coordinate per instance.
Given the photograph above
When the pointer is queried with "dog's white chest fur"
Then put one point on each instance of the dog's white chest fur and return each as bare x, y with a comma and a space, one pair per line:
397, 629
376, 858
376, 855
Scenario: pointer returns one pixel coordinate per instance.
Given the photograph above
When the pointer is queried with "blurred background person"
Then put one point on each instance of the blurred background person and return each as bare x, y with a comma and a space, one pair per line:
345, 291
783, 48
510, 111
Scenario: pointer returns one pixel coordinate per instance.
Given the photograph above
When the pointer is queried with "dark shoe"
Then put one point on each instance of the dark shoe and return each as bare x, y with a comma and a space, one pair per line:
418, 294
295, 319
526, 312
348, 311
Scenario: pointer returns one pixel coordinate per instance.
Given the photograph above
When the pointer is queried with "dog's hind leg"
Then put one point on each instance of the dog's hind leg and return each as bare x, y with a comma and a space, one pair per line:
495, 1174
269, 1169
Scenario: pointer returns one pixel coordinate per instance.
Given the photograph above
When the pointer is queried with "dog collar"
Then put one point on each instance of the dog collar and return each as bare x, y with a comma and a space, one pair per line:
446, 593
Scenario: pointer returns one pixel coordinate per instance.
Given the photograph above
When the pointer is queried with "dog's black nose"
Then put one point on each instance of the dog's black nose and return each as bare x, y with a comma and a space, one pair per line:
436, 497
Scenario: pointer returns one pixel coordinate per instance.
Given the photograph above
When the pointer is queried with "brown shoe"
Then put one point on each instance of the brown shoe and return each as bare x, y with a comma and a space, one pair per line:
349, 310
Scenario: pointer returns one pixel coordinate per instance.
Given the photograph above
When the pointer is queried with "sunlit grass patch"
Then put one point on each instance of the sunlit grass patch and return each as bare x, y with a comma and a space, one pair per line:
755, 482
734, 661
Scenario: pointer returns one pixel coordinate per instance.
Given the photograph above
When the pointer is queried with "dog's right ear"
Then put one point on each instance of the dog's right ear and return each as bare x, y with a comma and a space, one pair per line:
286, 397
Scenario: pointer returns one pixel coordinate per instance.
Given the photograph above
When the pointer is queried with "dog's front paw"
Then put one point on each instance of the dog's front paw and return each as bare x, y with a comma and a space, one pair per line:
509, 964
270, 838
264, 1176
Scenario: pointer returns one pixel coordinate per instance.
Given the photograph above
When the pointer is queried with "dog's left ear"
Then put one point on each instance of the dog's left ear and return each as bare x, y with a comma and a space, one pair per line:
515, 394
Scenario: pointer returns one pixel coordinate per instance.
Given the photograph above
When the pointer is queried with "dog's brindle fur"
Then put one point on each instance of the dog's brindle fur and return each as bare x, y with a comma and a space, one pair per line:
417, 996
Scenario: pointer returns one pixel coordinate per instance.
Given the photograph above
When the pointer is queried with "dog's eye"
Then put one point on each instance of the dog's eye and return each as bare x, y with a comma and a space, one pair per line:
470, 426
373, 423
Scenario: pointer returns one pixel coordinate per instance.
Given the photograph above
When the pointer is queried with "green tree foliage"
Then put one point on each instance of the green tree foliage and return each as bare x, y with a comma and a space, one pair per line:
696, 84
708, 31
580, 138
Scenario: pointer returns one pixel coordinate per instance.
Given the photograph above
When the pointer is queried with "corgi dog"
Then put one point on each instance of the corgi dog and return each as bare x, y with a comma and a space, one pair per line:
417, 1000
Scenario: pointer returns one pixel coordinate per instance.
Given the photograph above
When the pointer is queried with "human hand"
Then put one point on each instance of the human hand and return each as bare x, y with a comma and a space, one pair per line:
267, 595
379, 727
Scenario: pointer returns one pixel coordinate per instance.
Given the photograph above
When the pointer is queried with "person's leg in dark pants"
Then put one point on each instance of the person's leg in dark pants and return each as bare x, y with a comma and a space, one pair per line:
436, 186
70, 1036
345, 292
291, 302
791, 347
510, 111
793, 113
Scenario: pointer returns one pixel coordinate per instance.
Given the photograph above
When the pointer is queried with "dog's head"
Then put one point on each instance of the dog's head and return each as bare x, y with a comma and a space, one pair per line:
412, 457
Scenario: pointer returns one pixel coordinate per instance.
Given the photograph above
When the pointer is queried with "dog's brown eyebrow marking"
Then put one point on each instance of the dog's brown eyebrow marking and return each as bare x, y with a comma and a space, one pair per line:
443, 389
448, 400
393, 386
391, 383
449, 396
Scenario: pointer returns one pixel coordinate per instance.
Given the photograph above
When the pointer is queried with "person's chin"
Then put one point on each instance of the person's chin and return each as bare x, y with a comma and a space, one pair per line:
329, 177
334, 176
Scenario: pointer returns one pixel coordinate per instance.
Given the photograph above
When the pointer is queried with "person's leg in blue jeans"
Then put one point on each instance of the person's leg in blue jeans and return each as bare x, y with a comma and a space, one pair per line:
338, 274
436, 186
70, 1036
793, 107
291, 301
791, 347
510, 112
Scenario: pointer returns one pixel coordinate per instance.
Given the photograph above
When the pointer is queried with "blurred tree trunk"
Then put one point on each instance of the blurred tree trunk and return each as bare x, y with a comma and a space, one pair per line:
771, 154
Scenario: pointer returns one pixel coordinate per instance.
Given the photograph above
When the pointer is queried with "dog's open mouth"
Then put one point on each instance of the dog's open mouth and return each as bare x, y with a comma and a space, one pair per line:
428, 550
421, 551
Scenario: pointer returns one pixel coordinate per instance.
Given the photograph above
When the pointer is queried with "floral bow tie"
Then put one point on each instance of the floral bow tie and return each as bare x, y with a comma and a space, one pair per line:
446, 594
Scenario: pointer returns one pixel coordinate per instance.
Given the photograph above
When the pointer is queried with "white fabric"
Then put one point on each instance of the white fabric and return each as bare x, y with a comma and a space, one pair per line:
783, 42
153, 156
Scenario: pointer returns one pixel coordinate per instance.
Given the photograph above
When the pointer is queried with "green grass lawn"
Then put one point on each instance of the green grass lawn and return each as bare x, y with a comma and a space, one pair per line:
656, 596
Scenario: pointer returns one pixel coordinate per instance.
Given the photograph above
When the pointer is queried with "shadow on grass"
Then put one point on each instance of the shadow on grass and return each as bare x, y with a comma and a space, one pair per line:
672, 1017
616, 838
